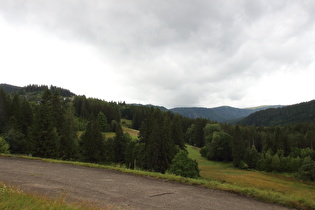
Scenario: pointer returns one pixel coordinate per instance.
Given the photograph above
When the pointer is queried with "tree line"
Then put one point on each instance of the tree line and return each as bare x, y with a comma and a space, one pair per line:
73, 129
297, 113
287, 148
54, 127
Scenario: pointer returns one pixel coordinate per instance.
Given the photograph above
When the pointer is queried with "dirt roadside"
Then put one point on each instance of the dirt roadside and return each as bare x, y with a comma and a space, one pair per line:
110, 188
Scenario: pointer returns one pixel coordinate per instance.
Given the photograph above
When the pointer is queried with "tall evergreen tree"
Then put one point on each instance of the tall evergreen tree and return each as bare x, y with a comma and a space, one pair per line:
102, 120
177, 133
119, 145
238, 147
5, 103
92, 143
44, 135
69, 147
199, 139
159, 147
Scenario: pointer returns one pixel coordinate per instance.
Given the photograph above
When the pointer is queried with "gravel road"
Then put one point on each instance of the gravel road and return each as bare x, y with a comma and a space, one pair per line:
107, 188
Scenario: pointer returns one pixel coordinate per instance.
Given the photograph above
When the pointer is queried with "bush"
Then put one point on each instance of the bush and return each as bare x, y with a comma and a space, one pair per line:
184, 166
307, 170
4, 146
204, 151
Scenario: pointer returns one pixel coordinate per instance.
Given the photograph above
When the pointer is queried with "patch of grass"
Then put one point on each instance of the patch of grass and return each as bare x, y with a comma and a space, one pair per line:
269, 187
108, 135
126, 123
133, 133
14, 199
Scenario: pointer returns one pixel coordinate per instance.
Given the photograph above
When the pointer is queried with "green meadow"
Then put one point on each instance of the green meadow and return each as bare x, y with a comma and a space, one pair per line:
265, 186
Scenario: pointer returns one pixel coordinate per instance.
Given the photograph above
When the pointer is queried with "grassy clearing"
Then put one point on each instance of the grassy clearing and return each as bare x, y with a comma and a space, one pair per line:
133, 133
270, 187
14, 199
126, 123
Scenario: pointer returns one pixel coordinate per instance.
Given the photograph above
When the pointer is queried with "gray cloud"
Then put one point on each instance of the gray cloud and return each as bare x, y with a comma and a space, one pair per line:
181, 53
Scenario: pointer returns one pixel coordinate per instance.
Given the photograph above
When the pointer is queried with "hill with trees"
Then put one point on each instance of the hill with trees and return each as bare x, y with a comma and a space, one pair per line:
219, 114
297, 113
33, 92
74, 129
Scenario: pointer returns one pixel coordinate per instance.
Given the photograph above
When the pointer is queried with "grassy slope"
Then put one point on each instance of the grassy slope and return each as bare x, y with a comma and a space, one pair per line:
270, 187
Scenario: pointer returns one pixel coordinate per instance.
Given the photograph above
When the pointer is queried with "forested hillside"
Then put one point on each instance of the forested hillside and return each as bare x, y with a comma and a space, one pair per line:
75, 128
33, 92
9, 88
297, 113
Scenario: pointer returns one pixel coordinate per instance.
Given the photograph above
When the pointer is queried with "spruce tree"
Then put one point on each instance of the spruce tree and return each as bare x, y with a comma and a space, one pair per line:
119, 145
102, 120
69, 148
159, 147
238, 147
177, 133
44, 135
92, 143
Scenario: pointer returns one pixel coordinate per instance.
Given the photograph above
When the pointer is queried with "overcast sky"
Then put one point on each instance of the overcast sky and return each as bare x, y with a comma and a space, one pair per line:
174, 53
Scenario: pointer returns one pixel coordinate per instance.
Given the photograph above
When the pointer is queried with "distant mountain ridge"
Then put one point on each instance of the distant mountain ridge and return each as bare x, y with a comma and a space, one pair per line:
219, 114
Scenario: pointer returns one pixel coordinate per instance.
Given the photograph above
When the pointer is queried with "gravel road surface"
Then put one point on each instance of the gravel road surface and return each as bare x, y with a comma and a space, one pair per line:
107, 188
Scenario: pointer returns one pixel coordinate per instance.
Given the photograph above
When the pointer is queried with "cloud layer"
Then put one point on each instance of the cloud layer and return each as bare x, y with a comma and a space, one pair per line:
179, 52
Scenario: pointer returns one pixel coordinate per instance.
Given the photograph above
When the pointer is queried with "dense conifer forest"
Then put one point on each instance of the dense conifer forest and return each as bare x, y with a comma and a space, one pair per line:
55, 123
297, 113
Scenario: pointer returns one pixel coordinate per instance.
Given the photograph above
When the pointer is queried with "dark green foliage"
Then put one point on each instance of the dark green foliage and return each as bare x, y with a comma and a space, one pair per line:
208, 131
129, 154
18, 142
184, 166
220, 148
87, 107
177, 134
109, 155
189, 135
251, 157
138, 157
120, 144
53, 133
307, 170
9, 88
4, 146
69, 146
46, 142
5, 111
140, 114
303, 112
238, 147
102, 120
199, 139
159, 147
114, 125
41, 88
92, 144
204, 151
